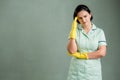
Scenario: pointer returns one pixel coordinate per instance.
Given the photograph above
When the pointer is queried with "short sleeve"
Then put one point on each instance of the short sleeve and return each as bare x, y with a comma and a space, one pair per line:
102, 38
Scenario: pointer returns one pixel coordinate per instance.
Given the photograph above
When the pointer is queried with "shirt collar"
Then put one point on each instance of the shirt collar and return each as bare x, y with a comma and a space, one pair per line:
81, 28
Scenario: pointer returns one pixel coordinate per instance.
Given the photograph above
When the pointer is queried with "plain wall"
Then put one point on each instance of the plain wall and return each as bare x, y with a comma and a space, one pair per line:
34, 35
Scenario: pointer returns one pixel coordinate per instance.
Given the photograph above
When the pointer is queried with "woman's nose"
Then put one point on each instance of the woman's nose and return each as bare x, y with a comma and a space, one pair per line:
83, 20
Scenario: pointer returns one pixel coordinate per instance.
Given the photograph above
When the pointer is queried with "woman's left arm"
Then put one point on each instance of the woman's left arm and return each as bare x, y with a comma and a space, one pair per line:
101, 52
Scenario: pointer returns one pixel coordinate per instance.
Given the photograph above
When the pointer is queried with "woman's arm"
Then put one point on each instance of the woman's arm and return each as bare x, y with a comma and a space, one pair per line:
72, 46
101, 52
72, 50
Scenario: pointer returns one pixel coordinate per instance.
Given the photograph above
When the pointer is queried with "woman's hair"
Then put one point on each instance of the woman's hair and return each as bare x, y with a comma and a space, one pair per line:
80, 8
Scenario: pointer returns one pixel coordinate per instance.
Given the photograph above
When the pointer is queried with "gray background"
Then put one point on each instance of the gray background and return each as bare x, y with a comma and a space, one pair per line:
33, 37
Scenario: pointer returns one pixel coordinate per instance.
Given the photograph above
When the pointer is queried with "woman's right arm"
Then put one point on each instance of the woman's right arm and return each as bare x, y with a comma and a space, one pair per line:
72, 46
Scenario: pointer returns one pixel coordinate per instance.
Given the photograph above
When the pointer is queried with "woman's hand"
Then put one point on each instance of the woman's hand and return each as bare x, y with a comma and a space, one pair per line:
73, 30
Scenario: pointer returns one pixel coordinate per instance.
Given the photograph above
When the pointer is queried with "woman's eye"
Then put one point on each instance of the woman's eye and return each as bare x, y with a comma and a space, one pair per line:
80, 18
85, 16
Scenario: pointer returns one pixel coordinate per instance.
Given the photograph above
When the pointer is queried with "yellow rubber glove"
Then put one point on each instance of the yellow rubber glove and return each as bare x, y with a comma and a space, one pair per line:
83, 55
73, 30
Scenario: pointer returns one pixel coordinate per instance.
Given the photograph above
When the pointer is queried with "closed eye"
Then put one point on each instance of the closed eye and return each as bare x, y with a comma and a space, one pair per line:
85, 16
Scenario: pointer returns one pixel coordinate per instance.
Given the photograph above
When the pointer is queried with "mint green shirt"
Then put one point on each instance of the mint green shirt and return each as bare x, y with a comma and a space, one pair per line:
81, 69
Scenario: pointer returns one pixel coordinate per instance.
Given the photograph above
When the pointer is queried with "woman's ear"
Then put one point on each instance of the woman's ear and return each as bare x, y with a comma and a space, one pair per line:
91, 17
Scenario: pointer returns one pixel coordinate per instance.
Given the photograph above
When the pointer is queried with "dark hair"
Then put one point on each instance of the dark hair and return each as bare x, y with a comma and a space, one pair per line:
80, 8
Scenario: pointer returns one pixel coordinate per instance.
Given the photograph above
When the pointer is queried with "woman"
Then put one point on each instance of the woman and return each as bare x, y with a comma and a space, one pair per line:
87, 44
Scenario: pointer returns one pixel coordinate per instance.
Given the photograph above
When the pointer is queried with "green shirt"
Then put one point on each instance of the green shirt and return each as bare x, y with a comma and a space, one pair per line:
90, 69
91, 41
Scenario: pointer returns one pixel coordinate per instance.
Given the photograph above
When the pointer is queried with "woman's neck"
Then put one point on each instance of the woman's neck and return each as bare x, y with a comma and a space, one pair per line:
87, 28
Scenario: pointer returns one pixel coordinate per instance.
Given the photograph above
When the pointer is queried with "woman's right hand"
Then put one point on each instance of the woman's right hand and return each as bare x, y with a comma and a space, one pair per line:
73, 29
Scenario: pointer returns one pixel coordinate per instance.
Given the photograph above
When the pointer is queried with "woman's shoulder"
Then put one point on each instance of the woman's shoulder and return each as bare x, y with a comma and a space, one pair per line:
98, 29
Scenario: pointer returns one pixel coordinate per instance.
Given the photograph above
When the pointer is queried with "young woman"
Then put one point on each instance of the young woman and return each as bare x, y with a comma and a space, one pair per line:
86, 45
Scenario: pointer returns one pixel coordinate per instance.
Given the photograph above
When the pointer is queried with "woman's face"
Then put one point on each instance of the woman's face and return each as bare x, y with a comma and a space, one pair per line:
84, 18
